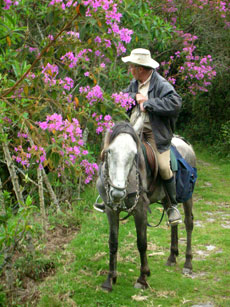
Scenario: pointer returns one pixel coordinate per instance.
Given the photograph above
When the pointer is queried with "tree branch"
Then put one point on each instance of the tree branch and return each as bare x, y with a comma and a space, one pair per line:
41, 199
11, 168
45, 177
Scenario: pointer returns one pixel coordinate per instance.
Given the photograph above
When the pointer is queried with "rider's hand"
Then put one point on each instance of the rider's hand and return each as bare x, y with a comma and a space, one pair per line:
140, 98
142, 107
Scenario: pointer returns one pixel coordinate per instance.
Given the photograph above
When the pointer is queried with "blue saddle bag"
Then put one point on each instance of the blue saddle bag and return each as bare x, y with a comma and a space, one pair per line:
186, 177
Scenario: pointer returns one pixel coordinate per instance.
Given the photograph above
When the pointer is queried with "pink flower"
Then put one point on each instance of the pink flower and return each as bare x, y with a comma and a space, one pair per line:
107, 43
99, 130
97, 40
125, 35
50, 37
107, 118
97, 53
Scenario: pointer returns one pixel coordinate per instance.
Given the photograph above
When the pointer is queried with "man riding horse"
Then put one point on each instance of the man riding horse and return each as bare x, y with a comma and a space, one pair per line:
158, 104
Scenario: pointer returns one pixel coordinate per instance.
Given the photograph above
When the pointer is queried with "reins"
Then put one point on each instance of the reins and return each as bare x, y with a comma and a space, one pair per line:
161, 219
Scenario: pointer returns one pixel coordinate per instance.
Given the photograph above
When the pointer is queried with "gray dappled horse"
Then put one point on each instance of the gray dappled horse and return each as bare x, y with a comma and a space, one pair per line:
122, 184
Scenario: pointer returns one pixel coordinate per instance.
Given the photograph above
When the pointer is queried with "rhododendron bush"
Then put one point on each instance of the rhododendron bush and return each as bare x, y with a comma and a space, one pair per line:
61, 96
62, 75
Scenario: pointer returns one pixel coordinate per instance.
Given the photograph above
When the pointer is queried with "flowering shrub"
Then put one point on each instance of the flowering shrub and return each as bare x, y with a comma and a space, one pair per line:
195, 72
90, 169
103, 124
65, 145
93, 94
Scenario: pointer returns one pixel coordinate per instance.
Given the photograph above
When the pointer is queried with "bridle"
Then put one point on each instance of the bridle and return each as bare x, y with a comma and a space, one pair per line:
108, 183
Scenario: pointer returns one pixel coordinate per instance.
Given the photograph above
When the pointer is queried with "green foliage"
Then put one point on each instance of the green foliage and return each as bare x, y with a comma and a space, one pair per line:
225, 129
150, 30
223, 145
3, 297
14, 229
66, 218
11, 33
33, 266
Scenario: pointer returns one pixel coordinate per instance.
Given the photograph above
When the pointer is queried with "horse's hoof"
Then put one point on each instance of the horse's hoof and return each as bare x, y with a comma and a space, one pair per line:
187, 271
170, 263
106, 286
140, 286
106, 289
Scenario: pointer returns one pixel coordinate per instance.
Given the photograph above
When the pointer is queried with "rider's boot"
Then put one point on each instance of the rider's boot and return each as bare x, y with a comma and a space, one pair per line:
174, 216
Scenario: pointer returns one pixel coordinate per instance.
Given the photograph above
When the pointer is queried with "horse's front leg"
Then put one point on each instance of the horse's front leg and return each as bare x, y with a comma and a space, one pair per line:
113, 218
141, 229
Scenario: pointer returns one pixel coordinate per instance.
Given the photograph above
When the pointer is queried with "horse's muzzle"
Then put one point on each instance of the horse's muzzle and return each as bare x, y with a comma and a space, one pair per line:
117, 195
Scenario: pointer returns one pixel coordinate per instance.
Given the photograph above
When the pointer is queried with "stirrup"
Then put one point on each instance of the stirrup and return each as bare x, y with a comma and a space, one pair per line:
97, 205
175, 222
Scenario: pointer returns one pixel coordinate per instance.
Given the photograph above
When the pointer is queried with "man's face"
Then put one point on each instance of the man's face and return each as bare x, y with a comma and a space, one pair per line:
135, 71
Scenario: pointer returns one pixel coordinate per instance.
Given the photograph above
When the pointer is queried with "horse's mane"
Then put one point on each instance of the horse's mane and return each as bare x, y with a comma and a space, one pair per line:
120, 127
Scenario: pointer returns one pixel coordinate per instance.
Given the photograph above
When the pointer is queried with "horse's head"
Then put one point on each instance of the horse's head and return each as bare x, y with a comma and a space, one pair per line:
120, 153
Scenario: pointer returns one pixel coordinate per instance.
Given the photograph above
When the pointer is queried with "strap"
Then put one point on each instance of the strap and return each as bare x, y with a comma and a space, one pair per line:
159, 221
127, 216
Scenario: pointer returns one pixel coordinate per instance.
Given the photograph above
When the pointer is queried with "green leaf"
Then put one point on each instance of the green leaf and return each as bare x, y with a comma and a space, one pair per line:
55, 158
4, 218
28, 200
25, 115
10, 19
102, 108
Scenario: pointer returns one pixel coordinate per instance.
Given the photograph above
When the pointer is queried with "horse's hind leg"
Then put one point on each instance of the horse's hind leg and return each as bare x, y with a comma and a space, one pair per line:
141, 229
189, 228
174, 246
113, 218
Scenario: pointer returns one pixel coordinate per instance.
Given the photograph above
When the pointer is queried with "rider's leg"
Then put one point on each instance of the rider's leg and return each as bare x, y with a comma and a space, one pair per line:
170, 186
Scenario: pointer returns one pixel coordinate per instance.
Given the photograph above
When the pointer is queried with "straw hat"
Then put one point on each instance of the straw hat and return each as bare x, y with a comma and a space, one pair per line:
141, 57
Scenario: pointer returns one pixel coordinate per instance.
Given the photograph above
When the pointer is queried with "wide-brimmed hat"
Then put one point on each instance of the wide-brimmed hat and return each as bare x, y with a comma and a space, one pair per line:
141, 57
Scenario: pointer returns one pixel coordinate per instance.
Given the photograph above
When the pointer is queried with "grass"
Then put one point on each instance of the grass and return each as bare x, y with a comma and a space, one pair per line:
84, 263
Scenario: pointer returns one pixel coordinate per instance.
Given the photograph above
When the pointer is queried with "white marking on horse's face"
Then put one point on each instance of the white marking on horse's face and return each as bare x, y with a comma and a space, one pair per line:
121, 155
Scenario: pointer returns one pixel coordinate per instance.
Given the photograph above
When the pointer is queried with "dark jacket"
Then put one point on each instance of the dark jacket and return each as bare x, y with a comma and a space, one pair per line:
163, 106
